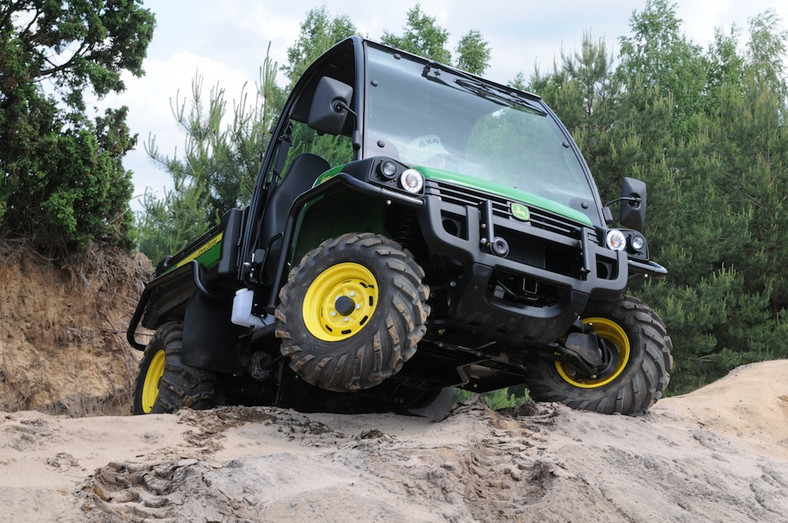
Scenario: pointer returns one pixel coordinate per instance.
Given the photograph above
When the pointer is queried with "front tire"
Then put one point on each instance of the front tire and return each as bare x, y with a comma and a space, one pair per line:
352, 312
164, 382
639, 347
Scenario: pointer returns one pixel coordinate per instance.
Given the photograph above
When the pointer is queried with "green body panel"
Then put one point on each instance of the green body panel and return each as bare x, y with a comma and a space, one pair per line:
328, 174
207, 254
509, 192
345, 211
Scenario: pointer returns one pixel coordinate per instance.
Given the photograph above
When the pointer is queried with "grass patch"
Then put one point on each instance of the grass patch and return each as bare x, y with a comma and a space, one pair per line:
497, 399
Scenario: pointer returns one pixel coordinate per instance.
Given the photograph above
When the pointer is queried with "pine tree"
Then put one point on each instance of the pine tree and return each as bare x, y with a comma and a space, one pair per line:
62, 182
219, 166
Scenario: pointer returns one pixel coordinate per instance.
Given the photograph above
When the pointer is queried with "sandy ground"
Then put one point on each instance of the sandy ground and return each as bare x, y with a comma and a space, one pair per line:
718, 454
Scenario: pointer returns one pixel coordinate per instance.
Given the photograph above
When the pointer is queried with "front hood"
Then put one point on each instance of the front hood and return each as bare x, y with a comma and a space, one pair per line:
511, 193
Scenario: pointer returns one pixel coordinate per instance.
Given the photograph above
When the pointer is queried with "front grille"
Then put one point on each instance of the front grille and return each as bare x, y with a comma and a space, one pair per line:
502, 207
531, 251
563, 258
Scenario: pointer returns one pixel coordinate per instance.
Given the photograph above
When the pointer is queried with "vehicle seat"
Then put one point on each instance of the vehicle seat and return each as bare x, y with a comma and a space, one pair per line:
301, 175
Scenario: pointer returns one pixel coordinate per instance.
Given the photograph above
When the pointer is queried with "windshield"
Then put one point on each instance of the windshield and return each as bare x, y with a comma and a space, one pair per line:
426, 115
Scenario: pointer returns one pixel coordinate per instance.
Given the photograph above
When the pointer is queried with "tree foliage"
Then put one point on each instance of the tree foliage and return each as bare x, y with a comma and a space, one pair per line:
62, 182
423, 36
474, 52
707, 132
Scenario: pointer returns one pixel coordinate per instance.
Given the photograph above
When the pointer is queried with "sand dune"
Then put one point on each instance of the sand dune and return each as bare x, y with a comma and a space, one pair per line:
717, 454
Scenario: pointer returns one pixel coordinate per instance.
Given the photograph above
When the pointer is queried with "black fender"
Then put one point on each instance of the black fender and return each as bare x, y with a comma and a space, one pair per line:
209, 336
165, 296
337, 182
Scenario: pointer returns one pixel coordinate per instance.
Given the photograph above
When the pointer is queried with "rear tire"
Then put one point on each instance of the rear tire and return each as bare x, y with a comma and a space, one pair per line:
164, 382
639, 373
146, 387
352, 312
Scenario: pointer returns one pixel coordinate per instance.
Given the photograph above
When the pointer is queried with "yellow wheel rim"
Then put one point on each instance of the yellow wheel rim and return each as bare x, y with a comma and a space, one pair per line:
150, 389
340, 302
607, 330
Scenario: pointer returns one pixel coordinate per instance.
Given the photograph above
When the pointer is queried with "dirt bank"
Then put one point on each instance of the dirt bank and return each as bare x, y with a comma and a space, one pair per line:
62, 329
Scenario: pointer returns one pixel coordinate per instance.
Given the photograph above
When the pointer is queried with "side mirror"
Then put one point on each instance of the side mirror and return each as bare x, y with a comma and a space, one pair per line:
330, 106
633, 204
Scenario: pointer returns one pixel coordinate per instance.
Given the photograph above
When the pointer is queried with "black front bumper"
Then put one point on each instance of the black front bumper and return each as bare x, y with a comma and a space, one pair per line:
559, 262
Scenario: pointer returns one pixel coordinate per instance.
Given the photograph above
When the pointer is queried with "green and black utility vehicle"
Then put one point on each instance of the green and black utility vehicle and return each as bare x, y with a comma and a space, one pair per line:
414, 228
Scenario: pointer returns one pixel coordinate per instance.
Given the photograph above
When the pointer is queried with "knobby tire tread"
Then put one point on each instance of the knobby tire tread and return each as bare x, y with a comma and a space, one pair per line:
640, 385
181, 385
381, 348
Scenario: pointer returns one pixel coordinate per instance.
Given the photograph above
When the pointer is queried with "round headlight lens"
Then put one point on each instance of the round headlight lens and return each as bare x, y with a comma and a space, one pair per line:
637, 242
616, 240
388, 170
411, 180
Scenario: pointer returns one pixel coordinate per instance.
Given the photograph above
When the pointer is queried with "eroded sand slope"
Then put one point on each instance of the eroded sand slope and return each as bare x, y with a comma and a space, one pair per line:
718, 454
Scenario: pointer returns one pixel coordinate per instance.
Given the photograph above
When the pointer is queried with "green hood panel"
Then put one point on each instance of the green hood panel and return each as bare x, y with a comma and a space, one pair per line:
479, 184
328, 174
508, 192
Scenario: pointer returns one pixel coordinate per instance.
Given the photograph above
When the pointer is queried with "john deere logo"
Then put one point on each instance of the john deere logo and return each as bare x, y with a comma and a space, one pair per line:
521, 212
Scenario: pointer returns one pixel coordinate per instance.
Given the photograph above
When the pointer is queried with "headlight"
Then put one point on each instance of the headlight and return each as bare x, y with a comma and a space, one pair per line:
616, 240
411, 180
387, 170
637, 242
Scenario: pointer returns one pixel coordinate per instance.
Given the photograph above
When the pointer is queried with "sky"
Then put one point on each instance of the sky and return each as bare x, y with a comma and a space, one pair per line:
226, 41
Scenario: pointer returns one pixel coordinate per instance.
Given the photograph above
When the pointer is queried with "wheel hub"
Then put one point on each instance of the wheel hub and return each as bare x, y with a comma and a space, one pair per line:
344, 305
340, 301
614, 353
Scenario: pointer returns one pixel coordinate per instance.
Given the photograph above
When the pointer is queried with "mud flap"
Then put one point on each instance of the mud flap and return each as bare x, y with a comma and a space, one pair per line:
209, 337
439, 408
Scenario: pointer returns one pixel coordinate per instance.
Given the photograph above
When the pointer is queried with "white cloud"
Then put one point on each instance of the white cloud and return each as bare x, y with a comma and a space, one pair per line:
151, 99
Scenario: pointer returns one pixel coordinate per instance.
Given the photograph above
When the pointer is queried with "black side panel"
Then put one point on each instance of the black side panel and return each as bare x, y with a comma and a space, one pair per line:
209, 337
233, 222
167, 301
165, 297
299, 178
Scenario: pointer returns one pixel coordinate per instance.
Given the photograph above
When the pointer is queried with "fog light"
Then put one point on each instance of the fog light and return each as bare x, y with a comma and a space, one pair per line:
616, 240
411, 180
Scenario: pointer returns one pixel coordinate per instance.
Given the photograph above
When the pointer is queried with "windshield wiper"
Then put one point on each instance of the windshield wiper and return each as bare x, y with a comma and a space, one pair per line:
472, 84
496, 95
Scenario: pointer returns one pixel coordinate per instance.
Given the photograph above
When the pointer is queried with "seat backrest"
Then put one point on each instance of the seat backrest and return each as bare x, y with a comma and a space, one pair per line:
301, 175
